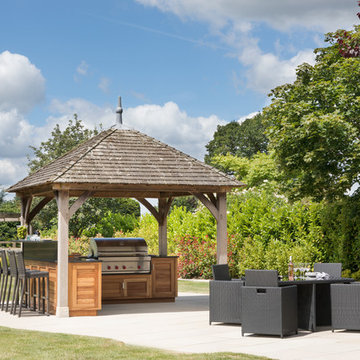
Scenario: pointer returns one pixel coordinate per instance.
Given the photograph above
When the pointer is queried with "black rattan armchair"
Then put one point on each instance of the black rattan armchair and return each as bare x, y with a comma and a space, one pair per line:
267, 308
225, 296
333, 269
345, 306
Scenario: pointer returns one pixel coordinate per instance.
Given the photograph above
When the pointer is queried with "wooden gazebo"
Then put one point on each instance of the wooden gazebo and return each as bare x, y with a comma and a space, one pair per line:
123, 163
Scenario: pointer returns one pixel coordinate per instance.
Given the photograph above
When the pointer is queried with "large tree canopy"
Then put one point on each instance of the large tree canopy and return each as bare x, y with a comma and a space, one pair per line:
245, 139
314, 125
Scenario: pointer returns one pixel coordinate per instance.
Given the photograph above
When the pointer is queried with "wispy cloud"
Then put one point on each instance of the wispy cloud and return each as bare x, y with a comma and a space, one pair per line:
162, 33
104, 85
83, 68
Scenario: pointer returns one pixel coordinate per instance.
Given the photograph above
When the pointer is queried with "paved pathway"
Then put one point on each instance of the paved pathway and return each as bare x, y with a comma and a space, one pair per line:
184, 326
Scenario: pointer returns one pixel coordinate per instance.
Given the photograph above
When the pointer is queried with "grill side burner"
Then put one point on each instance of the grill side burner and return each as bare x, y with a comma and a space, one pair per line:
121, 255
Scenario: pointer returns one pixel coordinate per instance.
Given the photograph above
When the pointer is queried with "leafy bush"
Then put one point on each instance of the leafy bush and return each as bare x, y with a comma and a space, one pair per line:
8, 230
195, 257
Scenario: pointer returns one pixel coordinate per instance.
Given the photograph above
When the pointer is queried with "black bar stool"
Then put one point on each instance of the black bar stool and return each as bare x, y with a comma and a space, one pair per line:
5, 272
13, 280
24, 279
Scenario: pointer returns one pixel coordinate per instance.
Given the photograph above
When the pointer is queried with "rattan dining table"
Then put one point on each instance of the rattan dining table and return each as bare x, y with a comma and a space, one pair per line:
314, 302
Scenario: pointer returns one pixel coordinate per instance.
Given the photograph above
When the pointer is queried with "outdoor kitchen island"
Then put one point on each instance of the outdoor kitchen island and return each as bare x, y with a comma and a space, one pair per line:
129, 274
91, 284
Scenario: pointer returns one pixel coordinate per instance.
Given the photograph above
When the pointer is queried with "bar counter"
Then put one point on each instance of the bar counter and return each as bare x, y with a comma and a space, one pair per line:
84, 277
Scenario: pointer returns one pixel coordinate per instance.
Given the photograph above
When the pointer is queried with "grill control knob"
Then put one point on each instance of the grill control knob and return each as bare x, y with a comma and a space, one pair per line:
116, 267
108, 267
124, 267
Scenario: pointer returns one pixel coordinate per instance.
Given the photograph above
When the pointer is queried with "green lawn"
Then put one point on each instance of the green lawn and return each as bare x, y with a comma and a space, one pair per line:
200, 287
35, 345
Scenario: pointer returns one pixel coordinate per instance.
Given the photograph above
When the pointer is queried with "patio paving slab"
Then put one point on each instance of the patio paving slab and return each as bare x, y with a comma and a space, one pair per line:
183, 326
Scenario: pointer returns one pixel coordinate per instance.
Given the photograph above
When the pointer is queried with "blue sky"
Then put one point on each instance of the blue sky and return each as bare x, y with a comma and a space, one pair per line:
182, 67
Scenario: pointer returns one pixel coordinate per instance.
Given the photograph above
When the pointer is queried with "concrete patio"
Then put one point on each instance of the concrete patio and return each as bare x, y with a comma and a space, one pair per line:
183, 326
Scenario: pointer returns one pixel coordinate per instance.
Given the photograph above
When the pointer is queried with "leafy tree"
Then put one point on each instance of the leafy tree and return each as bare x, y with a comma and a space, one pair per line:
314, 125
93, 210
245, 139
253, 172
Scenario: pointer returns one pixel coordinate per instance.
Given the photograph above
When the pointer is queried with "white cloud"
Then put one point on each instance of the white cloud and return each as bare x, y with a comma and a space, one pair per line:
266, 71
82, 69
16, 134
21, 83
173, 126
322, 15
104, 85
12, 171
248, 116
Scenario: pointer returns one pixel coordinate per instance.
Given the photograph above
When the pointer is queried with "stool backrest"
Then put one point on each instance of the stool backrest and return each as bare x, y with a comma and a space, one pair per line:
20, 263
4, 265
261, 278
221, 272
12, 262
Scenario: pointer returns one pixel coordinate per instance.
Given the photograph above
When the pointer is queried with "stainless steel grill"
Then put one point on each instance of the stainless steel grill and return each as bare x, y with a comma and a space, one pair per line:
121, 255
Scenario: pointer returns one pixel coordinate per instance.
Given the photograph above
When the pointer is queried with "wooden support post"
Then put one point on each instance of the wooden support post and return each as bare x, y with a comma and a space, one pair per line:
221, 234
164, 207
62, 307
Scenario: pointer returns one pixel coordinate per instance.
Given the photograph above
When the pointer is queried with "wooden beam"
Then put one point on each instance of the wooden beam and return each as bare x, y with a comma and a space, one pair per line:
79, 201
38, 207
212, 198
153, 211
210, 206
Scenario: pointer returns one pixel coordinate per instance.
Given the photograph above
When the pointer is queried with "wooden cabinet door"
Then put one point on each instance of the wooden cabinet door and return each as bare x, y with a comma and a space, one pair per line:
112, 287
164, 277
137, 287
84, 286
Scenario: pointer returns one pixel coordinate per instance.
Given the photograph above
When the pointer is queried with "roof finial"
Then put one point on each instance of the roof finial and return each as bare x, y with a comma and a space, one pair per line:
119, 111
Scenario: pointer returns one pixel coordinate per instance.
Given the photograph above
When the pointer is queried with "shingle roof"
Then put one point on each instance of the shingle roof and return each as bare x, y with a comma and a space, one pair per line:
126, 157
